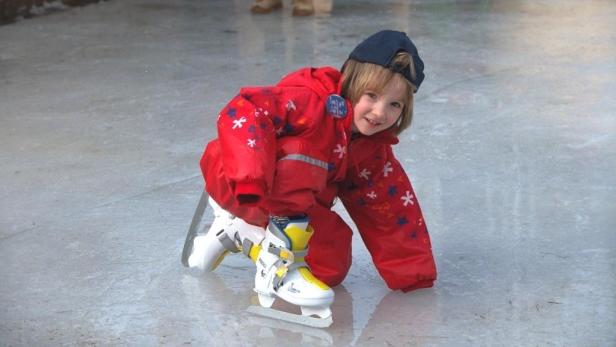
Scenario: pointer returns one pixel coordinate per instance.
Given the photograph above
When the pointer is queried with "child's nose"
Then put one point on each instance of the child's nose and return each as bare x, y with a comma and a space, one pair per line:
379, 110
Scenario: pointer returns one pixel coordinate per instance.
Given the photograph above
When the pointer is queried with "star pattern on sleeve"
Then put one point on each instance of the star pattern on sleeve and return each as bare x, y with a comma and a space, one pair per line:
238, 123
340, 150
408, 198
291, 106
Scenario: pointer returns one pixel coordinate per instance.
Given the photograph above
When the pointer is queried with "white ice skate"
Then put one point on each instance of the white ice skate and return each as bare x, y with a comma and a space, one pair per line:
206, 251
279, 257
282, 272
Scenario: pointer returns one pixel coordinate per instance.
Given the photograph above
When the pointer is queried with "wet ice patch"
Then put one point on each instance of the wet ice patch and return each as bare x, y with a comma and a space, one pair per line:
438, 99
440, 129
595, 140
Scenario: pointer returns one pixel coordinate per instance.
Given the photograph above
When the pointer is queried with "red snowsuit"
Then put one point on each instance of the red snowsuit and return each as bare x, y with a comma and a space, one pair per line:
280, 151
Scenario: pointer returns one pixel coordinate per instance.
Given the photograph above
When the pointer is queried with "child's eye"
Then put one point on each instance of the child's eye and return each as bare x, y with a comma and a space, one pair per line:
396, 104
371, 95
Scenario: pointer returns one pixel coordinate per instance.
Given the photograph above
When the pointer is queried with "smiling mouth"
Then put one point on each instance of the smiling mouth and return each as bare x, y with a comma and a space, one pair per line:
372, 122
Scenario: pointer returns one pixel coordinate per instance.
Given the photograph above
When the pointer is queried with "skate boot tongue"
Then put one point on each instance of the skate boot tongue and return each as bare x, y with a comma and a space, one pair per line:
300, 221
292, 233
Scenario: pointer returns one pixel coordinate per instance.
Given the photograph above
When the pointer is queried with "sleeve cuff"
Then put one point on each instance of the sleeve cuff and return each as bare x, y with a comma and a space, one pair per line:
248, 193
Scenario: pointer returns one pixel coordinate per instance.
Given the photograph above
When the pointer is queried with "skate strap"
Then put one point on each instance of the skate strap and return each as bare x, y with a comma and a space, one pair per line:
250, 249
297, 265
227, 242
291, 259
281, 272
283, 269
283, 253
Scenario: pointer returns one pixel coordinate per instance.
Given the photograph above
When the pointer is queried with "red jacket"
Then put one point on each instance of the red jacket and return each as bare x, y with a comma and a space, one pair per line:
283, 151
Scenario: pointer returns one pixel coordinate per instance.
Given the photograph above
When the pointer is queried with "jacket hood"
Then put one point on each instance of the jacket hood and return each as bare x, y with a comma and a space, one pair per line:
324, 80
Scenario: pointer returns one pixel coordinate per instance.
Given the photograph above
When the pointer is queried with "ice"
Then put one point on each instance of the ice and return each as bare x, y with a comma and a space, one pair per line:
105, 110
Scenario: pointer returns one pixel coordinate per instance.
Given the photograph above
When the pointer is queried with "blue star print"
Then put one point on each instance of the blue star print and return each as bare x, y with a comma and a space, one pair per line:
288, 128
231, 112
392, 191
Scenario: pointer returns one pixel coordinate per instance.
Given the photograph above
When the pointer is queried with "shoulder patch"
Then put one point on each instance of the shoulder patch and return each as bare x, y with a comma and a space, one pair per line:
336, 106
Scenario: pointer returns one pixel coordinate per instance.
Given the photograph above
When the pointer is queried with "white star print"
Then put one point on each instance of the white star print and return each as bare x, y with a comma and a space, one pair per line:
408, 198
290, 105
259, 111
340, 150
371, 195
387, 169
238, 123
365, 174
252, 143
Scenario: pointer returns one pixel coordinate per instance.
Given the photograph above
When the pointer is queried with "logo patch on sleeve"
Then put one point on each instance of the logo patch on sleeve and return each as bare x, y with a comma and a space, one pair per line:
336, 106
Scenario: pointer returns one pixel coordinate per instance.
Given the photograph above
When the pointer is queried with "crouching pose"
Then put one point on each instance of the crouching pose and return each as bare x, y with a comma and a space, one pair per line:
285, 153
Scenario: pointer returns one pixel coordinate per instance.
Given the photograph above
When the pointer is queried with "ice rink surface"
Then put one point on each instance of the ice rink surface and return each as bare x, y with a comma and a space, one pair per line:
105, 110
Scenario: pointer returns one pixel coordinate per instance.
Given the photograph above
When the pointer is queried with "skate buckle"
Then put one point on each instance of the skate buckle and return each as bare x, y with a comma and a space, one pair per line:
230, 244
281, 272
282, 253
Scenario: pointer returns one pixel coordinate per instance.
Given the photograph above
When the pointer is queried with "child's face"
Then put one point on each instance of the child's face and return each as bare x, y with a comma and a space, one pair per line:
375, 112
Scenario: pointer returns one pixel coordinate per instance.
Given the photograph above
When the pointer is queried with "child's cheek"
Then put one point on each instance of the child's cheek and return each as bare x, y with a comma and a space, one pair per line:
354, 125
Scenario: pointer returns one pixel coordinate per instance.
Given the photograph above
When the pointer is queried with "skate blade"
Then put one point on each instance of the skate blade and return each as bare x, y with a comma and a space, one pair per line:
290, 317
194, 226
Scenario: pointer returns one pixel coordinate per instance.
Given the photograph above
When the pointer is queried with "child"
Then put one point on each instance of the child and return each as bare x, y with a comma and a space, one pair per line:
286, 152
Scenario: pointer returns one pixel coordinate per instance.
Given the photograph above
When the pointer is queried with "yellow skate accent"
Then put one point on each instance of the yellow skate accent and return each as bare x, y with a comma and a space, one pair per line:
286, 255
282, 271
299, 237
308, 276
254, 252
219, 260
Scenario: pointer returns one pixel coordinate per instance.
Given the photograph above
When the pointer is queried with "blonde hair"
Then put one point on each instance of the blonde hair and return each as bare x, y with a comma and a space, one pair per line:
358, 77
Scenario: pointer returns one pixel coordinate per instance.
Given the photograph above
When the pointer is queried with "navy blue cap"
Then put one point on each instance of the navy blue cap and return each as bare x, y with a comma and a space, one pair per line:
382, 47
